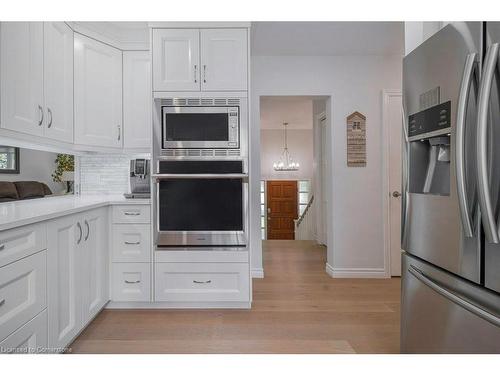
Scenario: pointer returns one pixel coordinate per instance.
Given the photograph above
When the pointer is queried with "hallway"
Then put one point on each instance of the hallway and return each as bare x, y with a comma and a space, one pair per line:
297, 308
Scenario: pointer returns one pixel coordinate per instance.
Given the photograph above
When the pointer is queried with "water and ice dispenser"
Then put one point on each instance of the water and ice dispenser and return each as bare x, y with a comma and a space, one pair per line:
429, 151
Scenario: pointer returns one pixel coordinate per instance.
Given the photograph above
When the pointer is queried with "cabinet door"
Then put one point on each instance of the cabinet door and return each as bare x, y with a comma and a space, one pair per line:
22, 76
30, 338
224, 59
63, 280
137, 94
95, 263
98, 93
176, 55
58, 80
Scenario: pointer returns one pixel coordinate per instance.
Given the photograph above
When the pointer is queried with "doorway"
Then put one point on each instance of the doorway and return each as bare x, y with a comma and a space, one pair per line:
281, 209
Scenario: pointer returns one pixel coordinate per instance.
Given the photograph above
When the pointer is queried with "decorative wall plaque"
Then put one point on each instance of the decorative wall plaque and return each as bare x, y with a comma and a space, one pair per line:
356, 140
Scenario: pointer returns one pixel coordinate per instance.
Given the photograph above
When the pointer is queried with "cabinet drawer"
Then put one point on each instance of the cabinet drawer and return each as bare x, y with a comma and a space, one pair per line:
20, 242
200, 255
131, 243
131, 214
30, 338
22, 292
199, 282
131, 282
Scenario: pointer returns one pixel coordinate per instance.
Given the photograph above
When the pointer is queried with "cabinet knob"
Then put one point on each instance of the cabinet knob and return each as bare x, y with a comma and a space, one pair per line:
81, 232
204, 74
49, 112
195, 73
40, 110
88, 230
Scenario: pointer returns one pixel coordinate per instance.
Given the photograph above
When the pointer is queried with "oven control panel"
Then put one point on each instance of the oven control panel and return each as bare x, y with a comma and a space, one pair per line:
233, 128
429, 120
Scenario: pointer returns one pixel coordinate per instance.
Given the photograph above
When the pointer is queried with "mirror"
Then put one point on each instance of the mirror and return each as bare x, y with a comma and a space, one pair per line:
9, 160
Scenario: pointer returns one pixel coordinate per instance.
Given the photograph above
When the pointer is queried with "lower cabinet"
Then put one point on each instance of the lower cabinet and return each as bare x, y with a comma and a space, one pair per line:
77, 285
30, 338
202, 282
131, 282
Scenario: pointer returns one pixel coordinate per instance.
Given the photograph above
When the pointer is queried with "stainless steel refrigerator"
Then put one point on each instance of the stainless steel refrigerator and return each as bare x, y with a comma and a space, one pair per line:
451, 192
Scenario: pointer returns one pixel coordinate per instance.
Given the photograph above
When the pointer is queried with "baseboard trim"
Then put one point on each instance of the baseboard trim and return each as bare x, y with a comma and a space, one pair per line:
257, 273
178, 305
356, 273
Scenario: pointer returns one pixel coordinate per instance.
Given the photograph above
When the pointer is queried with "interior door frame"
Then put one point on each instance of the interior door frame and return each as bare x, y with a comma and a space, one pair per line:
386, 95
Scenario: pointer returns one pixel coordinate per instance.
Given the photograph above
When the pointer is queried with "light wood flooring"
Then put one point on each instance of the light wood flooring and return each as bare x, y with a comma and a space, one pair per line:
297, 308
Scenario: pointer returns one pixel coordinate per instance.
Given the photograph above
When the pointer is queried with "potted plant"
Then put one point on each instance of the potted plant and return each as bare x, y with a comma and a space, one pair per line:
65, 171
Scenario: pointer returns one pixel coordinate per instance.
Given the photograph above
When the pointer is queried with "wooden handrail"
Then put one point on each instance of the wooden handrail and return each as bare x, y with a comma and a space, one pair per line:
309, 204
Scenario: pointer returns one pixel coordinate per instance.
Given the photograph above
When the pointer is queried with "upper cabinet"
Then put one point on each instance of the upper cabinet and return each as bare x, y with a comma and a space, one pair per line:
37, 79
58, 80
22, 77
176, 60
137, 107
224, 59
194, 60
98, 93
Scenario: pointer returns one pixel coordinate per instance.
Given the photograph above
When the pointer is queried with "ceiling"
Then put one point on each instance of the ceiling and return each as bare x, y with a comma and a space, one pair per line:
327, 38
296, 110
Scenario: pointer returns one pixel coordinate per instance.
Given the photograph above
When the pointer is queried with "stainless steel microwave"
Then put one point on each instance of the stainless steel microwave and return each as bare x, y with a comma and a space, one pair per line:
185, 127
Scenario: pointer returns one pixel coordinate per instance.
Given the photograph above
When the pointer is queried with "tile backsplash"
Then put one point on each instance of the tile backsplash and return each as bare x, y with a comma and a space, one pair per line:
104, 174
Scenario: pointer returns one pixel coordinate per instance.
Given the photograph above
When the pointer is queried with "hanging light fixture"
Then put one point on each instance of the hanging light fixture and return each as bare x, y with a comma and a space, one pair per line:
286, 162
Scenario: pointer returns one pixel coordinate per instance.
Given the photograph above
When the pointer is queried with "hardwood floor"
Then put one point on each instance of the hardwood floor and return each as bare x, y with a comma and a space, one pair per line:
297, 308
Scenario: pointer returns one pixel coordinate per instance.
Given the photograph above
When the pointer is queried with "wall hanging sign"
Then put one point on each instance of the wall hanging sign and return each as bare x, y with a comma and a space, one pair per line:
356, 140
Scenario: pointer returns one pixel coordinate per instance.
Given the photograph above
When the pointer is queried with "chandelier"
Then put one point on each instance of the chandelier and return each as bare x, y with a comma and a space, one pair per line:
286, 162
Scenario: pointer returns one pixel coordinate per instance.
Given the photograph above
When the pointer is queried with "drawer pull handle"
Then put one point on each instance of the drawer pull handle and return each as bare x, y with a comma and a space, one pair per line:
132, 213
132, 282
2, 246
202, 282
2, 302
132, 243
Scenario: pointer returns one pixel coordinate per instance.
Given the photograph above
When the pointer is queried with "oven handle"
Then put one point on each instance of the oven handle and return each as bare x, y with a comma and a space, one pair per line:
201, 176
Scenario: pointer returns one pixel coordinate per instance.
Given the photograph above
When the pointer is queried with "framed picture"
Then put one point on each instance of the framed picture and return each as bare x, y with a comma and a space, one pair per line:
9, 160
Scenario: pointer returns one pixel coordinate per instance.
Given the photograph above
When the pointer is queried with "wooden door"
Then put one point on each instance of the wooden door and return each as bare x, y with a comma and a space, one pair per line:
224, 59
281, 209
58, 80
22, 77
136, 99
176, 60
98, 93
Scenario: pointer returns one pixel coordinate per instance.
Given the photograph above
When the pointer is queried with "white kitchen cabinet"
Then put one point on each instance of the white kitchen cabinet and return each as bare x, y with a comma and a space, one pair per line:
29, 339
77, 273
21, 75
131, 282
98, 93
22, 292
176, 60
137, 107
95, 263
65, 236
58, 81
131, 243
224, 55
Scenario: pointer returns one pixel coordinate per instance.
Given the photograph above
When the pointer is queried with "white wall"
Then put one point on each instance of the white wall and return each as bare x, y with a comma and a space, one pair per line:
300, 145
417, 32
35, 166
355, 237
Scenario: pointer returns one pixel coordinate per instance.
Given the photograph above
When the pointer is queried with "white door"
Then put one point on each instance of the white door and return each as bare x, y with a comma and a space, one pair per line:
224, 59
22, 76
98, 93
176, 60
137, 94
58, 80
394, 128
65, 237
94, 263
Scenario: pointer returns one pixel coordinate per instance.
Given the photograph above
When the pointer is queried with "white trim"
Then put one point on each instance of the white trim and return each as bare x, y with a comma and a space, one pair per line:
386, 94
178, 305
356, 273
257, 273
199, 25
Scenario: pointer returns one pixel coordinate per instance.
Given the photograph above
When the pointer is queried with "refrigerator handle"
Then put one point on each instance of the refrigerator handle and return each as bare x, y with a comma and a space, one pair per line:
469, 69
404, 182
489, 224
448, 294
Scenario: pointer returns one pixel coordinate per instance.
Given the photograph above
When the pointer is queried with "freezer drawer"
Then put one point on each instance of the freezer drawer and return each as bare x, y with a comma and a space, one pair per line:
443, 314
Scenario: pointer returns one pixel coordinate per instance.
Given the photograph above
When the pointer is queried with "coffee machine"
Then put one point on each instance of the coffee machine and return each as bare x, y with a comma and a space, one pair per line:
139, 179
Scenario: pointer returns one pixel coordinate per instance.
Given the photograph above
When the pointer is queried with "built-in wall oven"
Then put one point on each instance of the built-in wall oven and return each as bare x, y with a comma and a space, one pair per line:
201, 203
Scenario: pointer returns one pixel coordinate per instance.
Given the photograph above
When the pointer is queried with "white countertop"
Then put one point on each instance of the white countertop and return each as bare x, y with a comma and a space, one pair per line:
18, 213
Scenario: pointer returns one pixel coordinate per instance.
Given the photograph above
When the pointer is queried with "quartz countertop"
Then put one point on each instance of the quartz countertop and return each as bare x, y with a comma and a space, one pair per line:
18, 213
